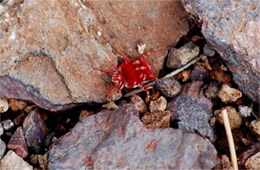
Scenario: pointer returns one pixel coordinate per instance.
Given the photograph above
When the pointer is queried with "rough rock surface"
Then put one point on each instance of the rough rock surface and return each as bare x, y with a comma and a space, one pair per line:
118, 140
12, 161
192, 110
48, 49
231, 27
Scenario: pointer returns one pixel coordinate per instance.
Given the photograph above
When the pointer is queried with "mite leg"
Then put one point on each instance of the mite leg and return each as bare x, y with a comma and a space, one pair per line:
113, 65
119, 88
146, 54
104, 71
146, 90
110, 91
124, 58
152, 78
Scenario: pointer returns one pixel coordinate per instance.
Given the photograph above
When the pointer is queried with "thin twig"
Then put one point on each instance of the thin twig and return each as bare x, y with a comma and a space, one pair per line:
174, 73
230, 139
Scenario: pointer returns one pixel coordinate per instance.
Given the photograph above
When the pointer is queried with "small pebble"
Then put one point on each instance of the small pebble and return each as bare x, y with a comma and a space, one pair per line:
34, 159
42, 159
7, 124
199, 73
208, 51
255, 126
159, 104
3, 105
1, 129
2, 149
228, 94
234, 119
253, 162
85, 113
17, 105
139, 103
158, 119
211, 91
244, 111
110, 106
169, 87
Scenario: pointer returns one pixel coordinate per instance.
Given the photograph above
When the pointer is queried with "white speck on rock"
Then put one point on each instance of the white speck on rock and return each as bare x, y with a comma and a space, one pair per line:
99, 33
12, 36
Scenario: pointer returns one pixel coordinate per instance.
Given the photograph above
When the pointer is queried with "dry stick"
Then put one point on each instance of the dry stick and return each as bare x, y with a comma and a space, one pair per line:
230, 139
175, 72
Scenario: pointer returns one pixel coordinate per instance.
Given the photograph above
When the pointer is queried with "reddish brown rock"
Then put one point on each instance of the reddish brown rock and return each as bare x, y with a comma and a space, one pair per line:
234, 119
34, 130
139, 104
157, 119
192, 110
159, 104
228, 94
49, 48
111, 138
231, 27
17, 143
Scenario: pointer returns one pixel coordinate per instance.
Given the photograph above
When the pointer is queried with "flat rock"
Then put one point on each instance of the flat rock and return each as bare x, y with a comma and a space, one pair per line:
17, 143
48, 49
111, 139
231, 27
192, 110
12, 161
34, 130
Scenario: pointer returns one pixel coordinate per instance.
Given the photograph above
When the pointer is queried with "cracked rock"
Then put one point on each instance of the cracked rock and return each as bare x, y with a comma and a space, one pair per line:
231, 27
48, 49
111, 139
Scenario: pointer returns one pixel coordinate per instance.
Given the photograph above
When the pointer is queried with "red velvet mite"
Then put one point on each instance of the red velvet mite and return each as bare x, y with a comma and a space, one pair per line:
130, 74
